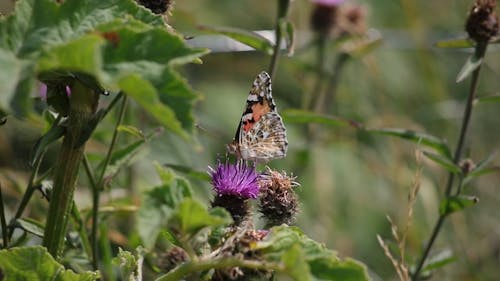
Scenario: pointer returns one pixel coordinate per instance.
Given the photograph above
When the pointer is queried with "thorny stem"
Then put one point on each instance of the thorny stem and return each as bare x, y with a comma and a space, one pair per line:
226, 262
479, 53
97, 188
3, 222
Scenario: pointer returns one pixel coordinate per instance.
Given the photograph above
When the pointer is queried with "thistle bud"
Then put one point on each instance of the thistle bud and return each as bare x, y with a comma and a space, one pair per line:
324, 15
482, 23
278, 202
169, 260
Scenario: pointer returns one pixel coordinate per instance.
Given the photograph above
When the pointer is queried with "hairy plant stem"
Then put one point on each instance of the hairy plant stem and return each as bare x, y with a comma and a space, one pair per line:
82, 231
83, 104
329, 102
99, 186
282, 11
204, 264
480, 51
276, 52
311, 100
3, 222
30, 189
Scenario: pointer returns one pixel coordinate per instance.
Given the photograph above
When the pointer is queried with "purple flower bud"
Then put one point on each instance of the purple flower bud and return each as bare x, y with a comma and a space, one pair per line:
68, 91
43, 91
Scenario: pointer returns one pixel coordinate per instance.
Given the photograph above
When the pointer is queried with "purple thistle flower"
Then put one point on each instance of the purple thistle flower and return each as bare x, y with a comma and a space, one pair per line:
235, 179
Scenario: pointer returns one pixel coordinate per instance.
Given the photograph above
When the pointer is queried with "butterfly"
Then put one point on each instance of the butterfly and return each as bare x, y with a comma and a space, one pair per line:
261, 135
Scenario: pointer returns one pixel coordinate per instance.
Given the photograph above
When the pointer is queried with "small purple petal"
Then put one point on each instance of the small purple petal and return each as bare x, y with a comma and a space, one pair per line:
235, 179
328, 2
43, 91
68, 91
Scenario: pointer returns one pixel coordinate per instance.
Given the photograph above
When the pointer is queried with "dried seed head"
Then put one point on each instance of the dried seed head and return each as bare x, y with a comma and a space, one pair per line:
324, 15
158, 7
352, 20
482, 23
278, 202
169, 260
242, 246
467, 166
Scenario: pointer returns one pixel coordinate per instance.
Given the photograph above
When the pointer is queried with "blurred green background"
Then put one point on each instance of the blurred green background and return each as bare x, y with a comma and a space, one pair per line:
350, 180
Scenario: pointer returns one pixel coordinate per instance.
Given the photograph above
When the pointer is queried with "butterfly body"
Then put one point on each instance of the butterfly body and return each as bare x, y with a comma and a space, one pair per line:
261, 134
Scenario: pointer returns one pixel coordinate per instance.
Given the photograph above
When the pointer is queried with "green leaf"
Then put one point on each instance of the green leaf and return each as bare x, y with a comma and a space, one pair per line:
456, 203
35, 263
130, 264
343, 270
439, 260
192, 215
30, 225
324, 264
159, 205
63, 57
167, 176
125, 156
145, 94
487, 99
359, 47
457, 43
421, 138
443, 162
470, 65
289, 31
96, 40
40, 25
246, 37
295, 264
132, 130
56, 131
189, 171
303, 116
175, 92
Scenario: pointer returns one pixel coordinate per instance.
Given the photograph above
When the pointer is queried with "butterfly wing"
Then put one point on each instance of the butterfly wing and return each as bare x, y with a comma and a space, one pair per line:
265, 141
261, 135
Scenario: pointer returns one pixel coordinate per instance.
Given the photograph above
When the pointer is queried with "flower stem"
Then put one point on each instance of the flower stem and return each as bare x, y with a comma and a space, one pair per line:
30, 189
202, 265
282, 11
82, 231
97, 188
276, 51
329, 103
312, 99
480, 51
3, 222
83, 104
